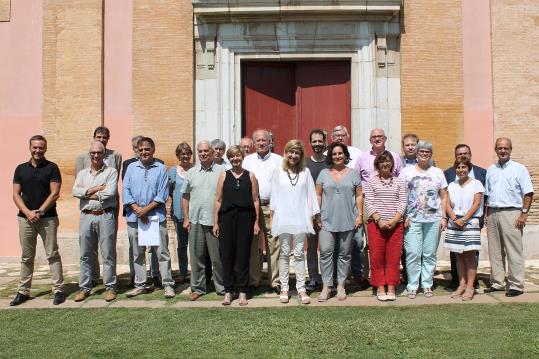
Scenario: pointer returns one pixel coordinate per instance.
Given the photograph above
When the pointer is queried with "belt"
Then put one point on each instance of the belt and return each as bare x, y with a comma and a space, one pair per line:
504, 208
99, 212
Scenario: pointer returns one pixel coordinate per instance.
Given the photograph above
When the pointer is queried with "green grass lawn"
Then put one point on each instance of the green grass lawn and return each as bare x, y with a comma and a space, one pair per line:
450, 331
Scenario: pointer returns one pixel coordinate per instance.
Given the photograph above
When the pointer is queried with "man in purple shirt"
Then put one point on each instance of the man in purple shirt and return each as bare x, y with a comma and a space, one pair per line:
365, 167
365, 163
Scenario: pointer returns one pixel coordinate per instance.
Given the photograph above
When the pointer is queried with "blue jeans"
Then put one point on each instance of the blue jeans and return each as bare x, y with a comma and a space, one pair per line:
421, 242
357, 253
183, 240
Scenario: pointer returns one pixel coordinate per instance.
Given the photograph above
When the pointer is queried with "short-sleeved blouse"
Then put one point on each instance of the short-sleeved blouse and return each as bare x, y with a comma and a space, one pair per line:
424, 202
338, 210
462, 197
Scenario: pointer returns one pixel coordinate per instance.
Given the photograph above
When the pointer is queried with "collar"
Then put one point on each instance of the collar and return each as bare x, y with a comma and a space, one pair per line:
505, 165
40, 164
99, 170
141, 165
411, 161
264, 157
322, 160
374, 154
202, 169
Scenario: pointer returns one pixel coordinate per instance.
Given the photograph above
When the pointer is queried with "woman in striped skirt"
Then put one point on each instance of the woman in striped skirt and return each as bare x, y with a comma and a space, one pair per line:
463, 235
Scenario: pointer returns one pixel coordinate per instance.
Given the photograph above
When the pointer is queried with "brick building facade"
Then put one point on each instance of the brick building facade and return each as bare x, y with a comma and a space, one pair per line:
452, 71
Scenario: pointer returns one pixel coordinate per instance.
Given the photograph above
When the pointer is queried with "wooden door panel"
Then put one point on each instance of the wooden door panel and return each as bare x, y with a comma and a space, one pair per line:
270, 101
323, 96
291, 98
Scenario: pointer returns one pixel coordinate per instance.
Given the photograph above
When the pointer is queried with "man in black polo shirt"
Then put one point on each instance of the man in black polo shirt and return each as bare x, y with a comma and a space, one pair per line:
36, 187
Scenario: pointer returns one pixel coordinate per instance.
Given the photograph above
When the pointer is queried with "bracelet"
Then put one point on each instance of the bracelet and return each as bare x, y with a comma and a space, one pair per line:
444, 218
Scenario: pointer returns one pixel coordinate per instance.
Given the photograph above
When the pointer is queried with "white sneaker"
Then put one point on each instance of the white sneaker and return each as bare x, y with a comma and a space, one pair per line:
136, 291
169, 292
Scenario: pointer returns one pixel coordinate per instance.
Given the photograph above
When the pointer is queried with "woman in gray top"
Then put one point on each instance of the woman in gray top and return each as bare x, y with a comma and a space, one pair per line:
338, 189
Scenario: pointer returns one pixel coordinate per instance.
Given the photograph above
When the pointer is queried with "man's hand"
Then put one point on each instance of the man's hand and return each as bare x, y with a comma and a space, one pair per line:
521, 221
138, 211
33, 216
93, 190
144, 219
215, 230
186, 224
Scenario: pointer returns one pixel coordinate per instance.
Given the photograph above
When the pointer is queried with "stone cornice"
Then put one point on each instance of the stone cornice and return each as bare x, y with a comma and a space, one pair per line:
216, 11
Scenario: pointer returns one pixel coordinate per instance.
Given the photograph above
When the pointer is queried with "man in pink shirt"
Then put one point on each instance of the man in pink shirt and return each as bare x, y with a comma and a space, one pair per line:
365, 163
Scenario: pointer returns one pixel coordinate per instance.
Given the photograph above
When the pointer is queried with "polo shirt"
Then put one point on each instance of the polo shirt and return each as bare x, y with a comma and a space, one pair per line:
506, 185
35, 184
365, 166
201, 184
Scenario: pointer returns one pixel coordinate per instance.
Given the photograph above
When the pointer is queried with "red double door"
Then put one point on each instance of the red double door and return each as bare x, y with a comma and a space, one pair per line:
291, 98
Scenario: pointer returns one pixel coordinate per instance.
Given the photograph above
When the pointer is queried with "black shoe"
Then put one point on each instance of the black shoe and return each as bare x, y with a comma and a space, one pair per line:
513, 293
476, 285
493, 289
131, 282
277, 289
156, 282
59, 298
19, 299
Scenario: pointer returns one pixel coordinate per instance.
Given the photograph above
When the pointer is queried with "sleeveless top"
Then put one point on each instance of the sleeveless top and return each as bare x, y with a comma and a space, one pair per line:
237, 193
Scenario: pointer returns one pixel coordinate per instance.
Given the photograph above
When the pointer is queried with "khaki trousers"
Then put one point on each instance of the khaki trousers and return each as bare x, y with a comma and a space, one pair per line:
505, 241
47, 229
272, 246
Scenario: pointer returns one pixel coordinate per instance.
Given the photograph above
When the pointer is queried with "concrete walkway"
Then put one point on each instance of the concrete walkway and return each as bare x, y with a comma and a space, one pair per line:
9, 273
358, 301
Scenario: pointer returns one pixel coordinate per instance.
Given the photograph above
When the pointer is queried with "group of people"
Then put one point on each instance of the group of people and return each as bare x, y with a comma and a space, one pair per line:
229, 210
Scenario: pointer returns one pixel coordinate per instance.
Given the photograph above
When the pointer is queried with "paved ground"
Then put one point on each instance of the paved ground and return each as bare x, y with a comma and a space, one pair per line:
42, 297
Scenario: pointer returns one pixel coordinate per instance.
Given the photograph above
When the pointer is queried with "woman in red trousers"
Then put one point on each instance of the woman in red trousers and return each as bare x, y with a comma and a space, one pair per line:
385, 202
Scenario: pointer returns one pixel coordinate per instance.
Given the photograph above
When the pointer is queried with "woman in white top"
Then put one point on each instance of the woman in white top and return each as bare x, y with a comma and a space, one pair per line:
293, 205
463, 236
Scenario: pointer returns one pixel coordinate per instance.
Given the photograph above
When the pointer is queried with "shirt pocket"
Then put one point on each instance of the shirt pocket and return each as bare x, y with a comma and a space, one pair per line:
511, 184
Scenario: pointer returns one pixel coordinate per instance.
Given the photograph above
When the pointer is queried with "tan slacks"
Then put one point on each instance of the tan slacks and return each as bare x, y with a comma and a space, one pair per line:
272, 251
505, 242
28, 232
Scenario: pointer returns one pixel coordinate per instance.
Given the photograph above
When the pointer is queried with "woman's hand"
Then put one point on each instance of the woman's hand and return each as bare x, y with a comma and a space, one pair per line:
216, 230
407, 223
459, 222
359, 222
256, 228
443, 224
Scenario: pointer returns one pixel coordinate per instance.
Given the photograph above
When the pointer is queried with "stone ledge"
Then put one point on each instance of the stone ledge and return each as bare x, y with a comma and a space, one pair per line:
5, 10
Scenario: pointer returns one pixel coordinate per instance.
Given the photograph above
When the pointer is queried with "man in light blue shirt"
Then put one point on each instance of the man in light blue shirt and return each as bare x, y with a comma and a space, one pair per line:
509, 191
145, 192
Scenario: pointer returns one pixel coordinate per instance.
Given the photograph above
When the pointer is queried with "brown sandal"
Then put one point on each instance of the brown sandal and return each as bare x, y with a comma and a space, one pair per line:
459, 292
468, 294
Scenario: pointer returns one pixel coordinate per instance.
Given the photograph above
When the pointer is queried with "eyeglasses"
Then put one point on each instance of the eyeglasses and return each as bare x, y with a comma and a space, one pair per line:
378, 136
96, 153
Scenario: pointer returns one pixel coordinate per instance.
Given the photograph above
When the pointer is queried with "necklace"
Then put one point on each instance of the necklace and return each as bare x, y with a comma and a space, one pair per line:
292, 179
387, 183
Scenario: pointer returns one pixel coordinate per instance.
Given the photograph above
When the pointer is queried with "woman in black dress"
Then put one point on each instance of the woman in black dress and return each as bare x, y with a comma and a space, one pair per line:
235, 223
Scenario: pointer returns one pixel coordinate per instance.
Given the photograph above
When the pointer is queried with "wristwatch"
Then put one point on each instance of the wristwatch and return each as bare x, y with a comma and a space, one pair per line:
524, 210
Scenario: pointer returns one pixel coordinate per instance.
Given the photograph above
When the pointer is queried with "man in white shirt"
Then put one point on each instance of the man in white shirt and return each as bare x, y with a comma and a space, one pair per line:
340, 134
262, 163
